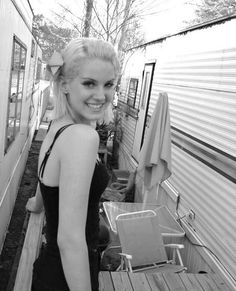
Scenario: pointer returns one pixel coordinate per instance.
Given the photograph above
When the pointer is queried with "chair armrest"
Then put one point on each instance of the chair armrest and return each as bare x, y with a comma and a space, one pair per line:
108, 248
127, 256
175, 246
126, 260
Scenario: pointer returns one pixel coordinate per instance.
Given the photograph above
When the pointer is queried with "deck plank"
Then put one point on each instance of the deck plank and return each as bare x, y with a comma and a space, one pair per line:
29, 252
139, 282
124, 281
121, 281
206, 282
190, 282
174, 282
105, 282
157, 282
220, 282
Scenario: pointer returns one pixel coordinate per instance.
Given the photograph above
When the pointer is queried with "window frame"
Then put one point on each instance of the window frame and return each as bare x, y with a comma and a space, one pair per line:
38, 71
32, 48
17, 78
132, 92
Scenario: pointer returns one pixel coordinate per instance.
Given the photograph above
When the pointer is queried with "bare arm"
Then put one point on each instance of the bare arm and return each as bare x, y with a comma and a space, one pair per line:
78, 152
35, 203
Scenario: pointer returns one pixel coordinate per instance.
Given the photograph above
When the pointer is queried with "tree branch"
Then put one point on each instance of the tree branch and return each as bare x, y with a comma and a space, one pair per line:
98, 18
73, 24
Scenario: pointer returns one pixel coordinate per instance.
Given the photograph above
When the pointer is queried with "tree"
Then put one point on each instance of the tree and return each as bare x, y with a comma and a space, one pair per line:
112, 20
117, 21
50, 36
125, 24
212, 9
88, 17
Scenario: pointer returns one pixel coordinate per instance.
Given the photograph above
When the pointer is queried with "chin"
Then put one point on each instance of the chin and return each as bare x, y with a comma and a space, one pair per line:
97, 116
94, 118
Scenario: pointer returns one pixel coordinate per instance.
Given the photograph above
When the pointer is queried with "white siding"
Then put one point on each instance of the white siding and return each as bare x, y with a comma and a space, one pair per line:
198, 71
128, 132
207, 114
202, 100
213, 199
15, 20
201, 86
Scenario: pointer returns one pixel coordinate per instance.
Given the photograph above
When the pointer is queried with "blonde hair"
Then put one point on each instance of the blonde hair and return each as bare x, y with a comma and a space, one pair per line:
76, 50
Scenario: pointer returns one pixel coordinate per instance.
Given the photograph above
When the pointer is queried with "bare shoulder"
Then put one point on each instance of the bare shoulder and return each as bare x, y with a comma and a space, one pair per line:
80, 136
82, 130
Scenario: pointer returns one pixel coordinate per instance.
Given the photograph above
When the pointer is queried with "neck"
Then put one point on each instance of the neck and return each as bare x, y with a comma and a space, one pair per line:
78, 120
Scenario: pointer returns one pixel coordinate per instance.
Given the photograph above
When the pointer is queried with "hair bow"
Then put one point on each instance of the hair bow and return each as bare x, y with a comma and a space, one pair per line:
55, 62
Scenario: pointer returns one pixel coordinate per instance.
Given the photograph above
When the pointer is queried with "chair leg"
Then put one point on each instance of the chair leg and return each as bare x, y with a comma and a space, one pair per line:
179, 257
174, 256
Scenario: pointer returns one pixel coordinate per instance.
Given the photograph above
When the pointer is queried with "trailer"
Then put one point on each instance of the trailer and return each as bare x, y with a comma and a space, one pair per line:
23, 99
197, 69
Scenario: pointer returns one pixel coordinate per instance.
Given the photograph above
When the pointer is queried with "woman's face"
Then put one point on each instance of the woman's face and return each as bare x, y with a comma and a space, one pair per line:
91, 91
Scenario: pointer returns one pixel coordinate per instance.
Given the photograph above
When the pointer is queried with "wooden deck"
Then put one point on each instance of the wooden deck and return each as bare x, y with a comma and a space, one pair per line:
122, 281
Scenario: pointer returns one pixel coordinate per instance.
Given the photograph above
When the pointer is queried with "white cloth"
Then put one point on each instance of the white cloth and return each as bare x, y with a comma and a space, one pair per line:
155, 155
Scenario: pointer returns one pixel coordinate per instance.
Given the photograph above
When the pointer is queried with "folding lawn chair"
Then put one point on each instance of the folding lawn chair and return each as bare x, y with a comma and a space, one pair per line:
142, 244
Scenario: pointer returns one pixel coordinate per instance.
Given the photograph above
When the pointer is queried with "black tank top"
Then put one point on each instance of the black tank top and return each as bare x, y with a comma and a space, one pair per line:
50, 197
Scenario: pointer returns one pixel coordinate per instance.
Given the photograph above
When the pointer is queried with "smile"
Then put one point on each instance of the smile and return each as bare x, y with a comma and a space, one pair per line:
95, 106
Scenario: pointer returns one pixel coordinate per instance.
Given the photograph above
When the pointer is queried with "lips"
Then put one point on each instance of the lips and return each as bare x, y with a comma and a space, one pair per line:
95, 106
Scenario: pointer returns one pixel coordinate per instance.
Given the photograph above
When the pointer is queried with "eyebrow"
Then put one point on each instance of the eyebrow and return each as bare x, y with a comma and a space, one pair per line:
90, 79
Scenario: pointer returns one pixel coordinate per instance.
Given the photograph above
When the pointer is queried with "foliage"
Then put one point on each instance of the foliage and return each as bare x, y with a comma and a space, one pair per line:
113, 130
115, 21
116, 126
131, 41
50, 36
213, 9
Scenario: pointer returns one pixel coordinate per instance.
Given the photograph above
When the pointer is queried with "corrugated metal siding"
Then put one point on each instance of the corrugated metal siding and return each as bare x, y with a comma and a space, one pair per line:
209, 70
208, 115
213, 199
123, 89
202, 95
128, 125
201, 86
198, 71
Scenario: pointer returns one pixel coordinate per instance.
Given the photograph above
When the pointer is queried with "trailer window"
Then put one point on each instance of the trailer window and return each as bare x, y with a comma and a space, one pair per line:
15, 91
132, 92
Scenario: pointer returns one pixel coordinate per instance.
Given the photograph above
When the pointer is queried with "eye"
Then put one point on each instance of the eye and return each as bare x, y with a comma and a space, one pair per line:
109, 84
89, 84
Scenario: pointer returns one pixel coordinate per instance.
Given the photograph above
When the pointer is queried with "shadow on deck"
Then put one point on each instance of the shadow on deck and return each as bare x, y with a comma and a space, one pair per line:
11, 252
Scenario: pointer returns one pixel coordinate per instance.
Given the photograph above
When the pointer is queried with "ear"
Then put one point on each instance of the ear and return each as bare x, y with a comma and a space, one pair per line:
64, 86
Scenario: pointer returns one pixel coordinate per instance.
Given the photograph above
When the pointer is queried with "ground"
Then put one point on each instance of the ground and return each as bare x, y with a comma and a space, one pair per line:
11, 251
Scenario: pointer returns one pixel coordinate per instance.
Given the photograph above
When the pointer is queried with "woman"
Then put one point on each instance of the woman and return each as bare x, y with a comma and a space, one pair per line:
71, 177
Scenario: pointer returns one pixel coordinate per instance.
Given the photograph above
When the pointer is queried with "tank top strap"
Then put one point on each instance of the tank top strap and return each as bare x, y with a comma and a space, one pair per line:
48, 152
50, 123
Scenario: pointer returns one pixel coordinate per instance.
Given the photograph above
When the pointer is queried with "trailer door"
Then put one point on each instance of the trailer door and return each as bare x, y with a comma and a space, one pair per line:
143, 109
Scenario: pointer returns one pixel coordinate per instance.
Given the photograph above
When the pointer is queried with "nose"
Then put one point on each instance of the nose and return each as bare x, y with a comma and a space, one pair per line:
100, 94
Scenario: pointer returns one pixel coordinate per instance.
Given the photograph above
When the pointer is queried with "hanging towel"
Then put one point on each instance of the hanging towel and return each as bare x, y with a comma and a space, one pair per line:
155, 155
